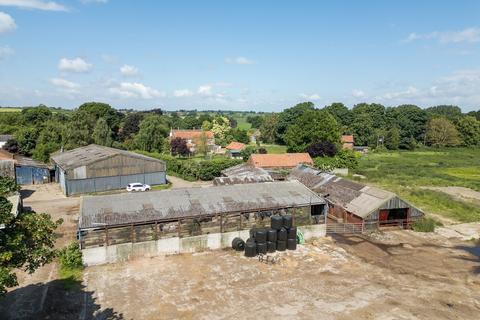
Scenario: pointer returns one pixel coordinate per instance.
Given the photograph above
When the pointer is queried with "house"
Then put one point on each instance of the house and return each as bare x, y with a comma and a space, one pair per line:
352, 202
347, 142
4, 138
97, 168
279, 161
25, 170
194, 138
115, 227
234, 149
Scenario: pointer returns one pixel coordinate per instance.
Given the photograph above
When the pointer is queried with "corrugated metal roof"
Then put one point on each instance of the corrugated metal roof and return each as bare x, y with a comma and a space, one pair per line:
92, 153
97, 211
221, 181
244, 170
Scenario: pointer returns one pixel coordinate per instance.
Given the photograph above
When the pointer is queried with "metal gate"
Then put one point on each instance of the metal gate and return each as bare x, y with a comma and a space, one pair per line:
344, 228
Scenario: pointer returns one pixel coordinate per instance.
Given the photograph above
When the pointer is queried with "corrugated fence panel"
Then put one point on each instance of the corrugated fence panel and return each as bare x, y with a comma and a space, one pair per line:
107, 183
24, 175
80, 186
155, 178
131, 179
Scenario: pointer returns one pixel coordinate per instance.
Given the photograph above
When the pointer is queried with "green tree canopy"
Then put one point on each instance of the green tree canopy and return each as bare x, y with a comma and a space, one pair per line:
341, 113
268, 128
288, 117
152, 133
102, 134
469, 129
442, 133
312, 126
452, 113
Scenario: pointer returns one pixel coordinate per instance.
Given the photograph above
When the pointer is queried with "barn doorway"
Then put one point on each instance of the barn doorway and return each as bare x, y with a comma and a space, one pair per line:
388, 216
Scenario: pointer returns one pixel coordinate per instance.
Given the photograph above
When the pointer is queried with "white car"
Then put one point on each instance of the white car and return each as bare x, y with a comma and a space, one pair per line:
137, 187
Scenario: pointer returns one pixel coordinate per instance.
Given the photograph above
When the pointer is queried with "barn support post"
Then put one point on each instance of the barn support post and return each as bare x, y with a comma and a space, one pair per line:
106, 236
179, 229
132, 235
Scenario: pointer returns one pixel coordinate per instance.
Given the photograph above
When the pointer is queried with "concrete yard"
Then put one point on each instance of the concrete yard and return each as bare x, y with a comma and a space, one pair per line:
388, 275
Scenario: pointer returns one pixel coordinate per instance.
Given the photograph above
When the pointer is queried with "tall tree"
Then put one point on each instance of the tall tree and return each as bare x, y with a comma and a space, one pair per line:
102, 134
411, 121
178, 146
366, 119
268, 128
341, 113
392, 138
131, 124
311, 127
36, 115
27, 140
452, 113
469, 129
288, 117
442, 133
152, 133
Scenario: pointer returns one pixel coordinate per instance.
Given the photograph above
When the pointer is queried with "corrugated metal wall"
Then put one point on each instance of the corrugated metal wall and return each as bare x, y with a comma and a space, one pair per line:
112, 183
119, 165
395, 203
32, 175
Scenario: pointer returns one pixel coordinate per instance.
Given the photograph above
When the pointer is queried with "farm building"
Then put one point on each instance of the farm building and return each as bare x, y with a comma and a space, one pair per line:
4, 138
279, 161
97, 168
242, 173
24, 170
234, 149
114, 227
352, 202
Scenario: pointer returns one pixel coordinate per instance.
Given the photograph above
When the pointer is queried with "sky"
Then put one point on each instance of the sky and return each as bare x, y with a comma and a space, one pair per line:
239, 55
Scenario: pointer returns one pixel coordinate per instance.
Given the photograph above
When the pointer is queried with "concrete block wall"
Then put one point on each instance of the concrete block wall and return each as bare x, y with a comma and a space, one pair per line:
213, 241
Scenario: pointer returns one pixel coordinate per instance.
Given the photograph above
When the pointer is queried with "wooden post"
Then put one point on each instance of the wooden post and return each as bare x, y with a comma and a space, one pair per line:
133, 234
106, 236
179, 229
221, 223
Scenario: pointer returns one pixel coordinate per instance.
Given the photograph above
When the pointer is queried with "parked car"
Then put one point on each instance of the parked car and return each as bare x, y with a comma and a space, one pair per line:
138, 187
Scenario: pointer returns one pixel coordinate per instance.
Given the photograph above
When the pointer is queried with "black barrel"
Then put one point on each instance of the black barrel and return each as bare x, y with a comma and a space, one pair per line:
282, 234
287, 221
250, 249
276, 222
252, 233
238, 244
292, 244
271, 246
261, 236
281, 246
292, 233
271, 235
250, 240
262, 248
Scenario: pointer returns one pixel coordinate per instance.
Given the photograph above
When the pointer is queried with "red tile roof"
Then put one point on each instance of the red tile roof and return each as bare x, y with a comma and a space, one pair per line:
234, 145
284, 160
347, 139
190, 134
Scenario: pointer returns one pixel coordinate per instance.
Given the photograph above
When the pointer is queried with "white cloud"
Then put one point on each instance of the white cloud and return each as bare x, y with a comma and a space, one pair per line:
205, 90
135, 90
239, 60
410, 92
74, 65
34, 4
93, 1
128, 70
312, 97
65, 85
7, 23
5, 52
182, 93
358, 93
469, 35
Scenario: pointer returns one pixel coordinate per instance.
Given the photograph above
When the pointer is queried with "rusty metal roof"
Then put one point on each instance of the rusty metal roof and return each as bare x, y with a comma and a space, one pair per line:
221, 181
120, 209
92, 153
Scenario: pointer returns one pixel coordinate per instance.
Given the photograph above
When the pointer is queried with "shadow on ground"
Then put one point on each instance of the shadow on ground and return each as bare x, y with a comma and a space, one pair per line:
25, 193
58, 299
474, 251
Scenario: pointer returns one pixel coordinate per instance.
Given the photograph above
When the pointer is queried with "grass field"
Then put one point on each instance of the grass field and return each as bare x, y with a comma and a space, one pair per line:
407, 173
241, 121
274, 148
10, 109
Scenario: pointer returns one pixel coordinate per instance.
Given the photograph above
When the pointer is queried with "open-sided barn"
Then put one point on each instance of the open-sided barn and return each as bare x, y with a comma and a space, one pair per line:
187, 219
353, 202
97, 168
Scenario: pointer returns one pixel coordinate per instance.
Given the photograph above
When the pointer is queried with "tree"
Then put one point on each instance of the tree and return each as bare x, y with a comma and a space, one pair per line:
255, 121
26, 139
36, 115
288, 117
452, 113
268, 128
202, 144
152, 133
102, 110
102, 134
341, 114
322, 149
26, 242
178, 146
312, 126
239, 135
469, 129
411, 122
247, 152
78, 132
367, 118
11, 146
442, 133
220, 127
392, 138
363, 129
131, 124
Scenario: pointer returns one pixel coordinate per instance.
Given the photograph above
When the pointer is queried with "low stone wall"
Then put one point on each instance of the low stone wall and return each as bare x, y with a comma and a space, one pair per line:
174, 245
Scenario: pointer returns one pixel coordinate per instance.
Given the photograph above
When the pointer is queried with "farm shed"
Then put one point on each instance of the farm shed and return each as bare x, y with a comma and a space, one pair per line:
192, 218
23, 169
352, 202
234, 149
243, 173
97, 168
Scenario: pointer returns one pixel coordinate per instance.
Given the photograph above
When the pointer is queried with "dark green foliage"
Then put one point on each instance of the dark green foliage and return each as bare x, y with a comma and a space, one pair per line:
152, 134
424, 225
341, 114
311, 126
469, 129
178, 146
288, 117
71, 256
247, 152
36, 115
392, 138
27, 140
452, 113
411, 121
8, 186
322, 149
343, 159
255, 121
131, 124
239, 135
210, 169
268, 128
11, 146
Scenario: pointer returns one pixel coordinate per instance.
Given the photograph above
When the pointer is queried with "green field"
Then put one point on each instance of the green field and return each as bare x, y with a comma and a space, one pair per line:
10, 109
242, 121
274, 148
407, 173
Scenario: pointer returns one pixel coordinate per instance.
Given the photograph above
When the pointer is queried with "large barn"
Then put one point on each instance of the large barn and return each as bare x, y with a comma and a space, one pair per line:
114, 227
97, 168
352, 202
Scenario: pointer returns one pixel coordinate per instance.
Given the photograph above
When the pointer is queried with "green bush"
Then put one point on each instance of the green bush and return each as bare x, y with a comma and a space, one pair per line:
71, 257
210, 169
343, 159
7, 186
424, 225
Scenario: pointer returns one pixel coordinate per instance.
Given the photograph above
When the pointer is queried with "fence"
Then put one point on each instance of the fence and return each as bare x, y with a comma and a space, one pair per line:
358, 228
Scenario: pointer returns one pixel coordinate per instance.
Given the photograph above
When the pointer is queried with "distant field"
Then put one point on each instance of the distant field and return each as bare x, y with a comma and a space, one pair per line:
242, 121
274, 148
408, 172
10, 109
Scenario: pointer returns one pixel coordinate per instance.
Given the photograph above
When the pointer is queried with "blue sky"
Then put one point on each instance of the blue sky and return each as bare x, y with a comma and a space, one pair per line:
239, 55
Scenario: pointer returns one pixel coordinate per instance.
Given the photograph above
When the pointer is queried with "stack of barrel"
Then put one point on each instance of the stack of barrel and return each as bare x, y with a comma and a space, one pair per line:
281, 236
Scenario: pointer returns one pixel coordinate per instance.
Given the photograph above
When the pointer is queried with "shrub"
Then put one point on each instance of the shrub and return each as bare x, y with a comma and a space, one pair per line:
71, 257
322, 149
343, 159
8, 186
210, 169
424, 225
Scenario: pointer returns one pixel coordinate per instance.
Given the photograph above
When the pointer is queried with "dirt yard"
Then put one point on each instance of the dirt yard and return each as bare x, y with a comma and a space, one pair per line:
390, 275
